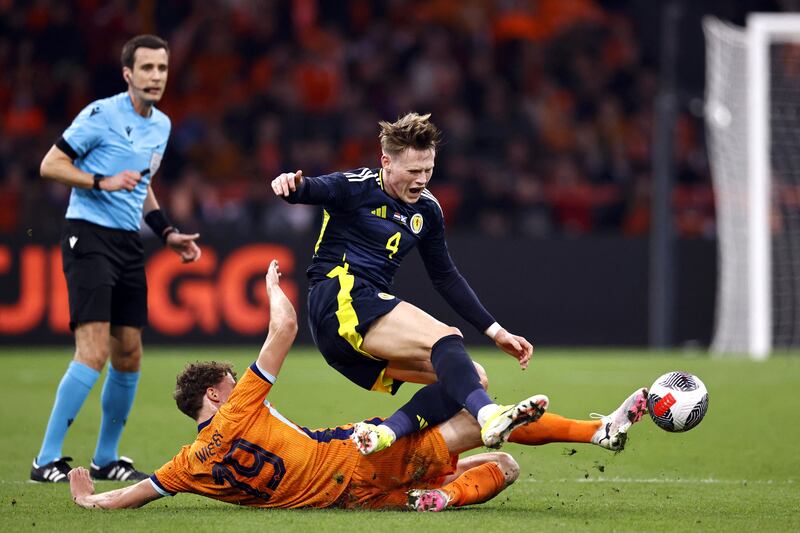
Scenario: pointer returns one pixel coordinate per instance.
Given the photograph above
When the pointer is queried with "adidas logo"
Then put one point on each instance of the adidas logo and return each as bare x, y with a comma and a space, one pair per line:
119, 473
51, 472
72, 241
53, 475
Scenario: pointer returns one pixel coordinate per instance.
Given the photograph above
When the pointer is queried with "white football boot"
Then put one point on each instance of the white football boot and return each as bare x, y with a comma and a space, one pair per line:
613, 431
506, 418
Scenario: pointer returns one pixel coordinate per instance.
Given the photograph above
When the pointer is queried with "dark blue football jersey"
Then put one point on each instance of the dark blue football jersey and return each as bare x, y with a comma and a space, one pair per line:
371, 232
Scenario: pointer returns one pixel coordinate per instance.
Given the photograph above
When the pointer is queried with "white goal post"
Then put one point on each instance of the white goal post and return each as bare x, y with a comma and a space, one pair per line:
753, 131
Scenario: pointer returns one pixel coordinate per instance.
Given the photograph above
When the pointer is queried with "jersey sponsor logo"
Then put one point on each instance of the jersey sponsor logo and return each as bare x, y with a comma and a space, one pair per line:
416, 223
72, 241
155, 163
95, 110
385, 296
400, 218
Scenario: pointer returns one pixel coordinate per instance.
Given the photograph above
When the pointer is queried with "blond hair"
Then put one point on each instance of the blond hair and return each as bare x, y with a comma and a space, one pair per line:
409, 131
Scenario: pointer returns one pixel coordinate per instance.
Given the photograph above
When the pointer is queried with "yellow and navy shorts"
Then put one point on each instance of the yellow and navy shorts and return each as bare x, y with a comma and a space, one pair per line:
341, 309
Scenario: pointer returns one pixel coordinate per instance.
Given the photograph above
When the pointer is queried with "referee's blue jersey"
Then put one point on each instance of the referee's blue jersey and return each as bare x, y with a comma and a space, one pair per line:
107, 137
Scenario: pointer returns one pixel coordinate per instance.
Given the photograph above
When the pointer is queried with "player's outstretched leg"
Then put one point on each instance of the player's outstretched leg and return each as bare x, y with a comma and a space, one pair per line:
428, 407
498, 424
484, 476
613, 431
456, 371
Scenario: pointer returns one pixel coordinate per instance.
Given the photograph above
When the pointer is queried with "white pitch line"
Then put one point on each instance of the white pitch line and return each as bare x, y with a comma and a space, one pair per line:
665, 481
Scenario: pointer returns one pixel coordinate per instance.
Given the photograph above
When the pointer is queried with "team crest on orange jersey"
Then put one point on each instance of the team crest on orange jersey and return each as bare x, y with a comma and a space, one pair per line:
416, 223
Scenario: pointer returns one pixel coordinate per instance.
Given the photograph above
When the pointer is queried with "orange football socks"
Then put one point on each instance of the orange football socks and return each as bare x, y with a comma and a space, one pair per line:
476, 485
554, 428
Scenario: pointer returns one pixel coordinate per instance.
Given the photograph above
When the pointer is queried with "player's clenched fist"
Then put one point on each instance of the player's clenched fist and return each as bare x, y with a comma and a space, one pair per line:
287, 183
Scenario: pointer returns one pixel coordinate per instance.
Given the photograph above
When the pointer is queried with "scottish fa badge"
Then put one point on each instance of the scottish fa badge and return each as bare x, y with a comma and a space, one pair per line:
416, 223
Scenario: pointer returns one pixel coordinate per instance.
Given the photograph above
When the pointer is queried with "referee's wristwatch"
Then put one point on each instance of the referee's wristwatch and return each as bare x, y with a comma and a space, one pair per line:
97, 179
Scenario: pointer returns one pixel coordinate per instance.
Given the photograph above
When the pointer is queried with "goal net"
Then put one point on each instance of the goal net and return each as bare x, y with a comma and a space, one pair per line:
753, 129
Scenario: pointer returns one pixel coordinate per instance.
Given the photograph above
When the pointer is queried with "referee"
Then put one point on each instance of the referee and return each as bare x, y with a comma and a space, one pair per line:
109, 155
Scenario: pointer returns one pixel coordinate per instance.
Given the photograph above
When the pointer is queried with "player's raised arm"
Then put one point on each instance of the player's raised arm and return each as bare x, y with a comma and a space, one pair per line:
282, 324
328, 190
82, 488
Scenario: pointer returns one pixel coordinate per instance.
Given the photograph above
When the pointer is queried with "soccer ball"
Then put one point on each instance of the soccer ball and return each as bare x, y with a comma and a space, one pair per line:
677, 401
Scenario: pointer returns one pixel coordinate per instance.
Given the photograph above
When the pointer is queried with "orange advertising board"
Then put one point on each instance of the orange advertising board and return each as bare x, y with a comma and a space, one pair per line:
223, 292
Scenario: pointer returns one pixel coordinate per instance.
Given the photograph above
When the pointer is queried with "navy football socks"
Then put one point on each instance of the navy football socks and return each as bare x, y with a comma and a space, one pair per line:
458, 387
428, 407
456, 372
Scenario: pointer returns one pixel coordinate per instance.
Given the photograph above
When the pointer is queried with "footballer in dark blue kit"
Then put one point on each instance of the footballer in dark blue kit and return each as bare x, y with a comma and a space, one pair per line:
372, 218
373, 230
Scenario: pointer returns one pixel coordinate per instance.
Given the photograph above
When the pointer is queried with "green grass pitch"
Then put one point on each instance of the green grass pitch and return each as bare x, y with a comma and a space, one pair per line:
738, 470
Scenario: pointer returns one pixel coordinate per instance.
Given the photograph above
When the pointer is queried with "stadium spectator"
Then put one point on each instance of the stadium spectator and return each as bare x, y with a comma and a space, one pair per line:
108, 156
567, 77
248, 453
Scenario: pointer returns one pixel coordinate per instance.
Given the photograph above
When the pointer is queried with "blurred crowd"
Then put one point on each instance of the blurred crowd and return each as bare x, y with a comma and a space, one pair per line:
546, 107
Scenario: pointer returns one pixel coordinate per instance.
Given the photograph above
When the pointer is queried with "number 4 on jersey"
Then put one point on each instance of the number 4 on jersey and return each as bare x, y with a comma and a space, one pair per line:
393, 244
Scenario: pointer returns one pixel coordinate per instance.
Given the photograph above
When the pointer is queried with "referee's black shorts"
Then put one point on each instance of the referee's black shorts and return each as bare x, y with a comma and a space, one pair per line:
105, 274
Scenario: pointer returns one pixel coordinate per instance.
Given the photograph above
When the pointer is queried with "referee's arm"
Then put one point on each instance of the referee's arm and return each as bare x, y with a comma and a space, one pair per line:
57, 165
181, 243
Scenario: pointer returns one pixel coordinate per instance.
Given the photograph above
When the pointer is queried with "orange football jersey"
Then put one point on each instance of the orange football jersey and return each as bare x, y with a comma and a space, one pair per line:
249, 454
